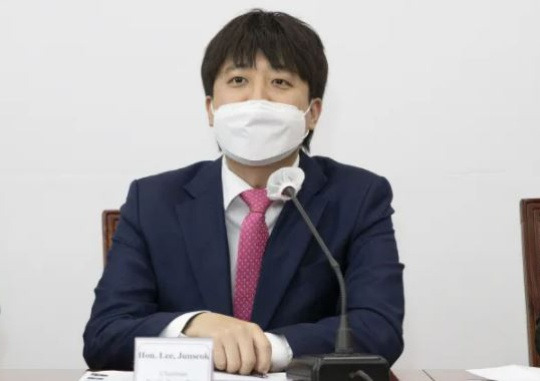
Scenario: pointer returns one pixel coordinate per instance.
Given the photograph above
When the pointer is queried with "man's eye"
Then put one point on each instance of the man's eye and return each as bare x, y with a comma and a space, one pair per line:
237, 80
282, 82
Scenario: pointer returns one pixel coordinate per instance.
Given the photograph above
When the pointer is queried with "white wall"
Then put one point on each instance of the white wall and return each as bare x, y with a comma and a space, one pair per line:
443, 98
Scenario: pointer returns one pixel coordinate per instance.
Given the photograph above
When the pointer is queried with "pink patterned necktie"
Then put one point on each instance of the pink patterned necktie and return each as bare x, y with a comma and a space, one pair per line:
253, 237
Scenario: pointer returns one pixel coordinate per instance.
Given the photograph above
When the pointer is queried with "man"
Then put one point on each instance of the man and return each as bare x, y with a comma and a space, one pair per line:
202, 252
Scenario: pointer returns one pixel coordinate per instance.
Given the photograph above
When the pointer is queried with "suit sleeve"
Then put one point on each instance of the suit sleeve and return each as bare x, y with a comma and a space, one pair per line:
125, 297
374, 281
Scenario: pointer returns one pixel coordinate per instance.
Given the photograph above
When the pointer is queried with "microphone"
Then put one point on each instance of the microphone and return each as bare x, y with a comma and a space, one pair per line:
284, 184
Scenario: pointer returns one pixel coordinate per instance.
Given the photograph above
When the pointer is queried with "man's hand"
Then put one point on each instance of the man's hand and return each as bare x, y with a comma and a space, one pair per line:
239, 346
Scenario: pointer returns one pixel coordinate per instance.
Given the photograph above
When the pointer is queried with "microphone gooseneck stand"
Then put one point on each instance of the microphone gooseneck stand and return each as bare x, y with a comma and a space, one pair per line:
344, 364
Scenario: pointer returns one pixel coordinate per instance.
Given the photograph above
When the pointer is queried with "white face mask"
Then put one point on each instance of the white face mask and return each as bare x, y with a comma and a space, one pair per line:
259, 132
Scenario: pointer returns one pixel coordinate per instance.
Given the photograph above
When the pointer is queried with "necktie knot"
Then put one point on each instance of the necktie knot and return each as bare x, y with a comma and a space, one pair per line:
257, 200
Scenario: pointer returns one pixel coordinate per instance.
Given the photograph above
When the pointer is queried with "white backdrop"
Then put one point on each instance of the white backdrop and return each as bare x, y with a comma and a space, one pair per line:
442, 98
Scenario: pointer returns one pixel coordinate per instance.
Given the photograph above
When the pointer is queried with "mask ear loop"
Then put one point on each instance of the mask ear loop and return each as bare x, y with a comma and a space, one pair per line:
212, 107
309, 107
305, 113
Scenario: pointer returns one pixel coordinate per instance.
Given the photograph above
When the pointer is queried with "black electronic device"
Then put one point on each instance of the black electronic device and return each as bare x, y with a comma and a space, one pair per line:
337, 367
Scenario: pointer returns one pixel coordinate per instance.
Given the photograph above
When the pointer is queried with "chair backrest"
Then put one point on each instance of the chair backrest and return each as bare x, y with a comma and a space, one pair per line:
530, 228
109, 222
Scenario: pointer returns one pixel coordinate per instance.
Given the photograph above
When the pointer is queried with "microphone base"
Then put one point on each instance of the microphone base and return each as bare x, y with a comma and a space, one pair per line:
337, 367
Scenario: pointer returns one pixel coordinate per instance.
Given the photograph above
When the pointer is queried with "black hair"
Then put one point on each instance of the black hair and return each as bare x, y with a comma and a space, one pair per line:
287, 42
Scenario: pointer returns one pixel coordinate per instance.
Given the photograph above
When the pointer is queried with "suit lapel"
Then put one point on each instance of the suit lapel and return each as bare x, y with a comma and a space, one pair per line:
202, 221
288, 243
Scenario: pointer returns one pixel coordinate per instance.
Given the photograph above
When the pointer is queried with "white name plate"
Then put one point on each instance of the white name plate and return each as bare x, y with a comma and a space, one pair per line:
173, 359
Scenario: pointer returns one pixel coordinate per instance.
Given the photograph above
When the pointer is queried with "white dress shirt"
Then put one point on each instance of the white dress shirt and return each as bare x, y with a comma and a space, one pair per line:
235, 212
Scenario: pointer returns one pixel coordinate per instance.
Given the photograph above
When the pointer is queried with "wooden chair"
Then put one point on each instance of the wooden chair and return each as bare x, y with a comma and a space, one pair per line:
530, 228
109, 222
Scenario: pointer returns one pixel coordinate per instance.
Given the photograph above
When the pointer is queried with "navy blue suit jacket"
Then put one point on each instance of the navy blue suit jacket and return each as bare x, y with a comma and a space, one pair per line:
170, 256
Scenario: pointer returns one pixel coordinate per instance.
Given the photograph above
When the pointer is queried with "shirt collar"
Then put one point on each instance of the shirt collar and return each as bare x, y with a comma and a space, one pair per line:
233, 185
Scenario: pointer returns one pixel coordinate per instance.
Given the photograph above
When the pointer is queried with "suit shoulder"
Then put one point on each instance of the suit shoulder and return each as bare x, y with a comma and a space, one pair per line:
174, 179
336, 171
356, 188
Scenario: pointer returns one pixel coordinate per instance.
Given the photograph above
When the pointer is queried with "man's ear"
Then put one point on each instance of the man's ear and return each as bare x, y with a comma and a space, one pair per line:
209, 113
314, 113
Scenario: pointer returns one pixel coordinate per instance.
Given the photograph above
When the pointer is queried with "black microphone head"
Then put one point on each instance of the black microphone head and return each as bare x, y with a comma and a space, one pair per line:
289, 192
285, 183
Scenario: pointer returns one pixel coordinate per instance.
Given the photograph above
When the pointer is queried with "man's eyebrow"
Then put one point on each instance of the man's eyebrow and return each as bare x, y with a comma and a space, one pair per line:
232, 67
278, 69
283, 69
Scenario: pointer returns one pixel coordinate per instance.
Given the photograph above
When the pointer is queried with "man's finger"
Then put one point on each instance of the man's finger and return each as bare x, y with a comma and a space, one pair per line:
247, 354
220, 359
233, 355
263, 352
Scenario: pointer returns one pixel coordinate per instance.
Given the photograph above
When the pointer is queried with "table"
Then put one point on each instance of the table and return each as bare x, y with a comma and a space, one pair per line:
75, 374
452, 375
40, 374
409, 375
